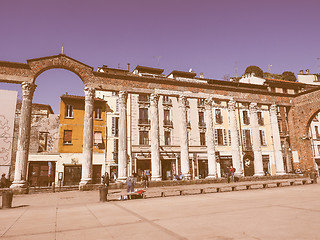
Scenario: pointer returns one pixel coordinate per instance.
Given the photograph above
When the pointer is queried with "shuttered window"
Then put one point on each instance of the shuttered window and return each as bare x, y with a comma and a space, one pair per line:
67, 136
262, 138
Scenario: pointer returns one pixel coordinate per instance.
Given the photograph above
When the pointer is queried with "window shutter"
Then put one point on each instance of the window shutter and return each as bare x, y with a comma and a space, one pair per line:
113, 126
117, 105
224, 137
67, 136
229, 133
263, 138
244, 137
216, 137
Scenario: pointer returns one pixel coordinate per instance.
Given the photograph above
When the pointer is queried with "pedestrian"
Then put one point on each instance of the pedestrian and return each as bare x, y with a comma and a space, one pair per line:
3, 181
145, 181
148, 174
227, 173
130, 184
232, 171
107, 179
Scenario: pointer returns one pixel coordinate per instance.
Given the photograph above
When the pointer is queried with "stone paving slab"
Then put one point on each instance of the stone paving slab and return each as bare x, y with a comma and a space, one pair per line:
273, 213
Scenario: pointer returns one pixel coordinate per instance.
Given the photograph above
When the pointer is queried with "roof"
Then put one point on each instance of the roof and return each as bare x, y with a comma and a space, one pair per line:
75, 97
38, 105
149, 69
176, 73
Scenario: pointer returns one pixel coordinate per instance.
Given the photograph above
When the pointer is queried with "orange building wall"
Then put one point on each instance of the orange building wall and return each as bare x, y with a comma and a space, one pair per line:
76, 125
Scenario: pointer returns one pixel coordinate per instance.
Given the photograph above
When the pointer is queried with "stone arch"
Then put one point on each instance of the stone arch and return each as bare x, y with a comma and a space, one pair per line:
40, 65
305, 107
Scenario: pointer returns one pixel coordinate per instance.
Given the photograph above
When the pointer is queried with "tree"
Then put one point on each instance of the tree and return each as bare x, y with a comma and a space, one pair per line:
254, 69
289, 76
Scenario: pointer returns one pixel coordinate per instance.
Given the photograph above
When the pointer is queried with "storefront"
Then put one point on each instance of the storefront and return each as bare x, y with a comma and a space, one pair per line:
203, 168
41, 174
168, 168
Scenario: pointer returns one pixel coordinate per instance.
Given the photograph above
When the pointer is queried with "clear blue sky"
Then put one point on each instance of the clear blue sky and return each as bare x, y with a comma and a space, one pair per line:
207, 36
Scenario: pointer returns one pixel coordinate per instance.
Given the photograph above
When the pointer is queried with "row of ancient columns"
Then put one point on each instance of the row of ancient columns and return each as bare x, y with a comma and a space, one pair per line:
25, 124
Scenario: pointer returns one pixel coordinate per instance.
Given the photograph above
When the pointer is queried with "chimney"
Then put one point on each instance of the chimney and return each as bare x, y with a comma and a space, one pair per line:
307, 71
128, 67
201, 75
301, 71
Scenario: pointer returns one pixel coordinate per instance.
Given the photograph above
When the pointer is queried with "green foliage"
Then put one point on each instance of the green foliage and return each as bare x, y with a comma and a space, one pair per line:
289, 76
254, 69
272, 75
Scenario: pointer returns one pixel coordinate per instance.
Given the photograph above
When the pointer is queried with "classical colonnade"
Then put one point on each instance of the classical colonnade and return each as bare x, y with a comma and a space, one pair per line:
25, 125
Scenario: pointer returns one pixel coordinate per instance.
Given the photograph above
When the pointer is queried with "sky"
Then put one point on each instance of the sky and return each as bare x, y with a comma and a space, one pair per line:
211, 36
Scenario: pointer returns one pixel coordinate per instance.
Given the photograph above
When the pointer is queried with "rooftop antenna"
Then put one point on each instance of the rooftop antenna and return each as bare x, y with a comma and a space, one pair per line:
62, 49
269, 68
118, 65
158, 59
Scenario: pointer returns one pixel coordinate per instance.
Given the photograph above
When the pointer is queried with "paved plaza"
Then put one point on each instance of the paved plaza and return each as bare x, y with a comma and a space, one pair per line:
274, 213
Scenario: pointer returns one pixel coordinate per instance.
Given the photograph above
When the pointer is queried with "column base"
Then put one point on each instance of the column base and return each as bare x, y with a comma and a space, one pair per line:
281, 173
122, 179
258, 174
187, 176
85, 184
238, 174
211, 177
19, 187
156, 178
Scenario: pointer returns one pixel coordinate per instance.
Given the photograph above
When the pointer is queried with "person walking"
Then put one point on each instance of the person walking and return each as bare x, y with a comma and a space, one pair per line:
232, 171
3, 181
145, 181
227, 173
130, 184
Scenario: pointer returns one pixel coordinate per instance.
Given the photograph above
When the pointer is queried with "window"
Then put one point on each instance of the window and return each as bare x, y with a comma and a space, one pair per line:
98, 138
218, 115
67, 136
115, 126
246, 137
115, 150
167, 138
318, 146
201, 102
260, 118
229, 135
262, 138
245, 117
144, 138
98, 113
316, 129
220, 136
43, 142
68, 111
143, 116
166, 100
201, 119
202, 139
143, 98
166, 118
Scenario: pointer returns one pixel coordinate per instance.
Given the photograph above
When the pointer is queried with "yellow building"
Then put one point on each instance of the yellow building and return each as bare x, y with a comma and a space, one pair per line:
71, 138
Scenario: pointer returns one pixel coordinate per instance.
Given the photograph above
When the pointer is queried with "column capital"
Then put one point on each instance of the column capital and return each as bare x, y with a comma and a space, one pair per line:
154, 98
273, 108
232, 105
253, 107
89, 93
208, 103
28, 89
123, 95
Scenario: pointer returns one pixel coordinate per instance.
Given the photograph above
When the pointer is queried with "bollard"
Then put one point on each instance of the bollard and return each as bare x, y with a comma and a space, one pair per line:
7, 196
313, 177
53, 187
103, 191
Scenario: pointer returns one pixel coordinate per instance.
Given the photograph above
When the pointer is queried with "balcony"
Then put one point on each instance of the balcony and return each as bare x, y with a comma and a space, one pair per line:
144, 99
201, 103
202, 124
261, 121
167, 123
144, 122
166, 101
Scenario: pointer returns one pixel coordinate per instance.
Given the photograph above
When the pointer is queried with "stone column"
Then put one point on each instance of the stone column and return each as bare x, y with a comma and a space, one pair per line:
155, 152
276, 140
86, 177
122, 150
20, 172
256, 143
235, 143
212, 164
184, 148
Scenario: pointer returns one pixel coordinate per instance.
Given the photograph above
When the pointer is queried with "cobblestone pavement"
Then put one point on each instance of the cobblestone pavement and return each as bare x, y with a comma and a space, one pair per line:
273, 213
